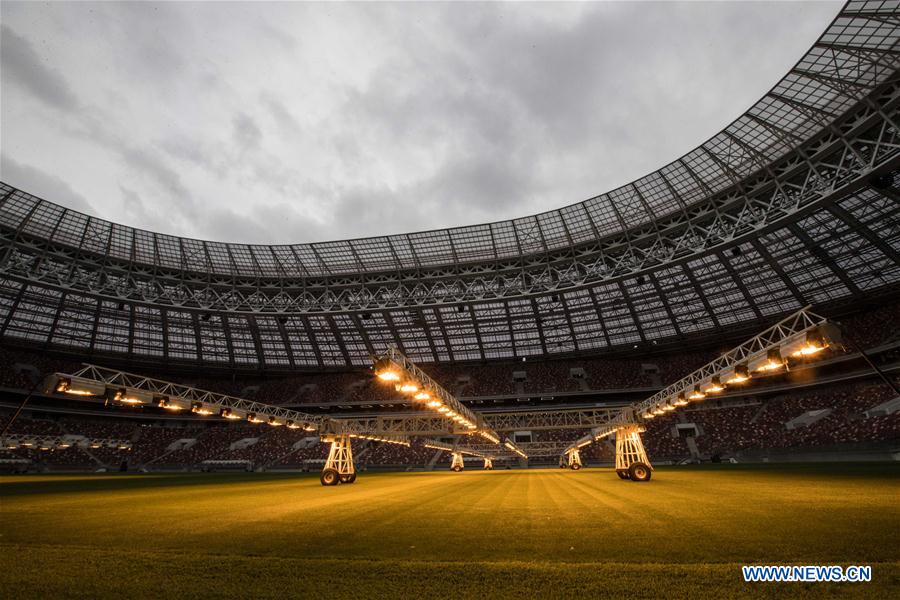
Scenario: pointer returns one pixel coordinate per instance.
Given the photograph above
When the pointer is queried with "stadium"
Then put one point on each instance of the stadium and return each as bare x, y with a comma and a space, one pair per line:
639, 393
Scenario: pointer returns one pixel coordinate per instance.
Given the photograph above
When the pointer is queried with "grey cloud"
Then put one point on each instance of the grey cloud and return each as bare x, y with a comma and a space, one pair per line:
246, 132
284, 120
42, 184
23, 65
309, 122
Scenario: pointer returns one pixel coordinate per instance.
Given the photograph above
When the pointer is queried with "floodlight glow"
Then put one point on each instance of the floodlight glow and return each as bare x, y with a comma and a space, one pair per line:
229, 414
773, 361
408, 387
200, 409
741, 375
681, 400
77, 386
489, 436
275, 422
808, 349
422, 396
132, 396
169, 405
715, 385
253, 418
697, 394
386, 371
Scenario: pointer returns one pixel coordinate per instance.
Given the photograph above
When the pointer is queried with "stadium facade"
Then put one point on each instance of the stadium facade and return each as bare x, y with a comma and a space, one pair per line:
794, 203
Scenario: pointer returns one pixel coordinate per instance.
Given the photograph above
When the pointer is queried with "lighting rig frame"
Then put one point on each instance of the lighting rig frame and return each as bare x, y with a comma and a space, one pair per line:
801, 334
15, 441
457, 453
395, 367
130, 389
136, 390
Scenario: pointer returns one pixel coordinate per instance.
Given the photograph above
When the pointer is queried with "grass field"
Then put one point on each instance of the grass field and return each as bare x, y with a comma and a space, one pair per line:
525, 533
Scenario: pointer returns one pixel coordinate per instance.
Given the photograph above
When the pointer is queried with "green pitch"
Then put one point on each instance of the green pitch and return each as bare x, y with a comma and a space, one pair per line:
538, 533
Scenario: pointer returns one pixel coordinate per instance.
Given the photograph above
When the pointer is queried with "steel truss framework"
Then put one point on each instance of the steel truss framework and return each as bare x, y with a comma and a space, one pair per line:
423, 424
532, 449
436, 391
186, 396
480, 452
158, 389
36, 442
791, 330
794, 203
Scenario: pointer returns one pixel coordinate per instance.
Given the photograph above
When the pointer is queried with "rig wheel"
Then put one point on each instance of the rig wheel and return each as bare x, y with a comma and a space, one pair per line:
329, 477
348, 478
639, 472
456, 469
575, 467
623, 474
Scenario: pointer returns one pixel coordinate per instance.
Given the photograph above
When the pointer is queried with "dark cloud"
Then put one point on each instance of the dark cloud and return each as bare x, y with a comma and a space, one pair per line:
247, 134
24, 66
42, 184
304, 122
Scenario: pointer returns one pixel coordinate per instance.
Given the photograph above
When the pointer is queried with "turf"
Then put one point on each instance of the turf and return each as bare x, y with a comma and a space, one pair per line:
526, 533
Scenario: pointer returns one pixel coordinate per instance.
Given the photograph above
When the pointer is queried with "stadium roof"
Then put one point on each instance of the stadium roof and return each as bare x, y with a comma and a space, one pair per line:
795, 202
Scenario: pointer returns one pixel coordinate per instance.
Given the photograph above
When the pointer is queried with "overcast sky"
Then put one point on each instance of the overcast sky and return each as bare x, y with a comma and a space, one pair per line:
282, 123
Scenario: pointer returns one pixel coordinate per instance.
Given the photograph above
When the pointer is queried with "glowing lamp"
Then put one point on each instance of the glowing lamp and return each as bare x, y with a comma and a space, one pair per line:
275, 422
422, 396
697, 394
229, 414
77, 386
200, 409
386, 371
715, 385
291, 425
168, 404
815, 343
253, 418
680, 400
131, 396
649, 415
773, 361
740, 375
408, 387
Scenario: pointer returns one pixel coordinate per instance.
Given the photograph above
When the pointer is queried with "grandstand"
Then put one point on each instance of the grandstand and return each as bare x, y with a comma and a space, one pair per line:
554, 339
